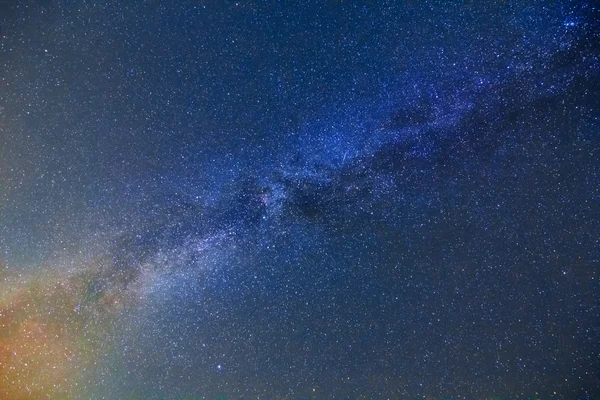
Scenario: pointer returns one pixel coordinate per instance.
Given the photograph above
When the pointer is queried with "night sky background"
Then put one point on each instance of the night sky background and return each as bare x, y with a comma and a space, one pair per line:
299, 199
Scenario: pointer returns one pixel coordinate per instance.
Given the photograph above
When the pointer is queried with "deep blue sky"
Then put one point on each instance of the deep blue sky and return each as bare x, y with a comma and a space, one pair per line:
300, 199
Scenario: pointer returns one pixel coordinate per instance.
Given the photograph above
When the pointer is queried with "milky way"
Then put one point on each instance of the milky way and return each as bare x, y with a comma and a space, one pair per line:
321, 199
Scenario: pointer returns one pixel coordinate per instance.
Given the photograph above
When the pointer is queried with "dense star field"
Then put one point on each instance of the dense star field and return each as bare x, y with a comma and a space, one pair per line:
299, 199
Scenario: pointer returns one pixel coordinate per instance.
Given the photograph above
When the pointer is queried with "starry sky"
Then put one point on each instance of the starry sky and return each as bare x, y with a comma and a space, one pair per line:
205, 199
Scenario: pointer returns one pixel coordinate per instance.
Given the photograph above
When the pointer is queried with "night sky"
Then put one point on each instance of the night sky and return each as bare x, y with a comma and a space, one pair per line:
299, 199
